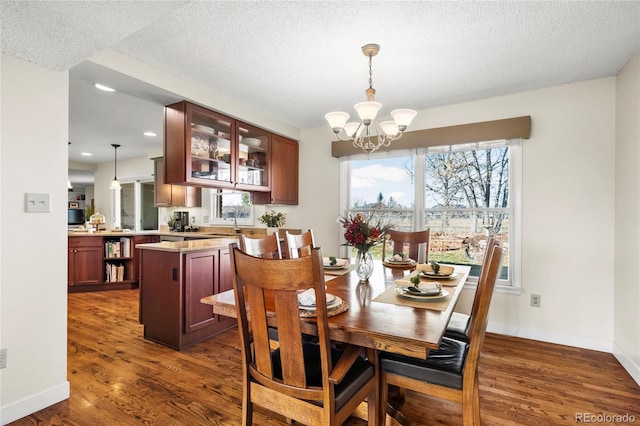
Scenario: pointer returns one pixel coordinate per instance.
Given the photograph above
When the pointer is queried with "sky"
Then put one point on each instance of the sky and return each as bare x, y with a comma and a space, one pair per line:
386, 175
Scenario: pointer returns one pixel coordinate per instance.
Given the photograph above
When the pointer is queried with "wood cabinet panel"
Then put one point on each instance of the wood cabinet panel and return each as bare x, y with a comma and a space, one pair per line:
167, 195
84, 261
284, 173
200, 280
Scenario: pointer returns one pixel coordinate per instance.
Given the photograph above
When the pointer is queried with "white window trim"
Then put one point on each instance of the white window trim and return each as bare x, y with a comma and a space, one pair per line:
214, 201
514, 285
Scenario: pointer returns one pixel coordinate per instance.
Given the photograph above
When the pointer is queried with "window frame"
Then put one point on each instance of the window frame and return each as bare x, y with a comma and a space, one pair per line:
513, 284
215, 196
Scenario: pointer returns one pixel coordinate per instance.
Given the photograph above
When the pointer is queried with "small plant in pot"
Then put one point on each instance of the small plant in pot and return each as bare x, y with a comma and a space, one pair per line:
273, 219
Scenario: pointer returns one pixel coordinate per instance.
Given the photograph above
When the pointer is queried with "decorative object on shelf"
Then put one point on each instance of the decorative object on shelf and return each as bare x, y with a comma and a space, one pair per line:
73, 205
273, 219
115, 184
69, 186
370, 134
363, 233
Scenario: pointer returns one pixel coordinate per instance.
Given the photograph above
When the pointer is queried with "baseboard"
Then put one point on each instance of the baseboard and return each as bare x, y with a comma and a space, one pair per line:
33, 403
545, 336
627, 362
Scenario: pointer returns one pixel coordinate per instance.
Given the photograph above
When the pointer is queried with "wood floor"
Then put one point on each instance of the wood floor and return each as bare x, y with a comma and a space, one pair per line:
118, 378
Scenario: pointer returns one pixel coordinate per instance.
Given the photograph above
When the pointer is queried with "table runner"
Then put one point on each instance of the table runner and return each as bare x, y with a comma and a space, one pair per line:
343, 271
392, 297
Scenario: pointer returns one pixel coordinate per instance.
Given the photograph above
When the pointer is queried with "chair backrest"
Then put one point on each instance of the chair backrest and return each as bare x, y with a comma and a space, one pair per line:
418, 242
480, 317
267, 247
299, 245
275, 283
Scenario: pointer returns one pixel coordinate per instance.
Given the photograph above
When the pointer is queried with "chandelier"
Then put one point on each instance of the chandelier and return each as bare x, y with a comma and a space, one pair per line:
369, 133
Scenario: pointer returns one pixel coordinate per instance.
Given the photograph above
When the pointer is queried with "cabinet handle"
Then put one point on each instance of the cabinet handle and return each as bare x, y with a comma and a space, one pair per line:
174, 274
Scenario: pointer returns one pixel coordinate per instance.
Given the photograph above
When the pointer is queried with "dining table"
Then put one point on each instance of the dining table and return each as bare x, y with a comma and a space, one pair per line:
378, 316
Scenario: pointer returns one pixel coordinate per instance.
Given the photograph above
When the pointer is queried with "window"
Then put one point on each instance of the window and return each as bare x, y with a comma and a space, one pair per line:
462, 193
226, 206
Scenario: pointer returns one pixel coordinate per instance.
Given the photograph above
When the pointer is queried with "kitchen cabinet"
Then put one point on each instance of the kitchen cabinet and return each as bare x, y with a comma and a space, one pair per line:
283, 173
167, 195
208, 149
104, 262
84, 261
171, 286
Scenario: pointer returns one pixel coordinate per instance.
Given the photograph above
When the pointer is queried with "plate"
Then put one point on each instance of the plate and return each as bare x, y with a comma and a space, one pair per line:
252, 142
341, 263
404, 293
400, 262
337, 301
204, 129
334, 267
330, 299
428, 274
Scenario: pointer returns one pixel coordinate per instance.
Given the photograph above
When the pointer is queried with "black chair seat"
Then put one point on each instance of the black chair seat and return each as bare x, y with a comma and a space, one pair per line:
359, 373
458, 327
443, 366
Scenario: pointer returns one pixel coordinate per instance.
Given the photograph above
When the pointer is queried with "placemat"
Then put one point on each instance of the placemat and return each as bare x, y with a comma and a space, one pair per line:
342, 271
406, 281
330, 312
391, 296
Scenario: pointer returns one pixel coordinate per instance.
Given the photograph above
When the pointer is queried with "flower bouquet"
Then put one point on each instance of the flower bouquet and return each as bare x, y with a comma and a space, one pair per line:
273, 219
364, 232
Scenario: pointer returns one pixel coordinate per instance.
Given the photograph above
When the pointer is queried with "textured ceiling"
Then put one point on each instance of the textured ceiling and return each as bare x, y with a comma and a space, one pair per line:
297, 60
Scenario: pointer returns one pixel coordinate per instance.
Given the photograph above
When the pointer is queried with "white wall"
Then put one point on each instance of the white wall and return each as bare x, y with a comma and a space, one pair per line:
33, 267
568, 197
627, 263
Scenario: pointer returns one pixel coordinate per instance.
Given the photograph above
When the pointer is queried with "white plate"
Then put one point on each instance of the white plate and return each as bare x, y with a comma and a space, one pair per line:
427, 274
401, 292
204, 129
336, 302
330, 298
400, 262
341, 263
334, 267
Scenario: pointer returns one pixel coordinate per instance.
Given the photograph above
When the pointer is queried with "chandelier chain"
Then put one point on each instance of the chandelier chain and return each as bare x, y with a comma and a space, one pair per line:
370, 72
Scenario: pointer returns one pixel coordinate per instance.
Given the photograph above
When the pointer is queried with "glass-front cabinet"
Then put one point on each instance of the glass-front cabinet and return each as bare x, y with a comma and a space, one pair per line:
253, 159
208, 149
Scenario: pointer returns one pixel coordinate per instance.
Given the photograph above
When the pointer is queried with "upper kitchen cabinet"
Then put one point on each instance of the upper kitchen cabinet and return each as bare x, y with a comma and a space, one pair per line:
254, 158
283, 173
199, 148
207, 149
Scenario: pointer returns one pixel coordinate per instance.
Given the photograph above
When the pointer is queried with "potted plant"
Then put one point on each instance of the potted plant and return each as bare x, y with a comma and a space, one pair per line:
273, 220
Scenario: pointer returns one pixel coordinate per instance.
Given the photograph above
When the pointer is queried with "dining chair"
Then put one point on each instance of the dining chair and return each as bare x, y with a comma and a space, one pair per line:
299, 245
417, 242
311, 383
451, 371
458, 325
267, 247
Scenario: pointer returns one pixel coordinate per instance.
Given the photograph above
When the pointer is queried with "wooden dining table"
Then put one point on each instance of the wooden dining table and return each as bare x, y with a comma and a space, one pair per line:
391, 326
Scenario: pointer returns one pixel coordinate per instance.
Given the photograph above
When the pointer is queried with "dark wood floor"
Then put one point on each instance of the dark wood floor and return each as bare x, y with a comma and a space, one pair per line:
118, 378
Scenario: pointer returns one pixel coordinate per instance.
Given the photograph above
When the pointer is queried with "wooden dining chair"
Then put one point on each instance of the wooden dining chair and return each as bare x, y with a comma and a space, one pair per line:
311, 383
417, 243
299, 245
451, 371
458, 326
267, 247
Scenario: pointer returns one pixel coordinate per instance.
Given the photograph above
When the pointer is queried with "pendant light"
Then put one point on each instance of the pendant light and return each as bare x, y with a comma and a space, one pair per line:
115, 184
369, 133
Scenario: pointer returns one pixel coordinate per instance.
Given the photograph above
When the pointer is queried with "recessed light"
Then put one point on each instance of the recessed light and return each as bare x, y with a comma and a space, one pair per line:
86, 154
150, 134
103, 87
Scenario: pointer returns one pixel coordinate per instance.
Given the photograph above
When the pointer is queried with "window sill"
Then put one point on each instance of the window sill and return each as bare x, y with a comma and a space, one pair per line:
505, 289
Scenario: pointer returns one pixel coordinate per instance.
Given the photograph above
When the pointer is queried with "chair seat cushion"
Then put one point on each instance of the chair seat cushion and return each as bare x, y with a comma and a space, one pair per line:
361, 371
443, 366
458, 327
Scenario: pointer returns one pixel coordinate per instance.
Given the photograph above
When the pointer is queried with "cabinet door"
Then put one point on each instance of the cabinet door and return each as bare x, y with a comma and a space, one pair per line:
199, 147
254, 158
201, 279
284, 173
88, 265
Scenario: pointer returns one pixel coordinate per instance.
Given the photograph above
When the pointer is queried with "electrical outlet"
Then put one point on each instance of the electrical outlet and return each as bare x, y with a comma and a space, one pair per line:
3, 358
535, 300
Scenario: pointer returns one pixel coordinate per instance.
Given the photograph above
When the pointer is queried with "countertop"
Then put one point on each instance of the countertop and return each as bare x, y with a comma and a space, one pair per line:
189, 246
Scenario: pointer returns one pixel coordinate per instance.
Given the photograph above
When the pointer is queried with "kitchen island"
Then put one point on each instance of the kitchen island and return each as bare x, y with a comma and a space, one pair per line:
174, 276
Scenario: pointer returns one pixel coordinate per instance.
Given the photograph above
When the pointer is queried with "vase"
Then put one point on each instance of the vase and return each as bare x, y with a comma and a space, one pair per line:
364, 265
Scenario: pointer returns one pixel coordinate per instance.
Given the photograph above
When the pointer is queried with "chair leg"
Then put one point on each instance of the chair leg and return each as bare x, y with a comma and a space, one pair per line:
471, 405
247, 405
382, 393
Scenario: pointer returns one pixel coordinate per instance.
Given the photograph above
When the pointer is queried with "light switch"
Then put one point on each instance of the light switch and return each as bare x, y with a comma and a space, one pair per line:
37, 203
